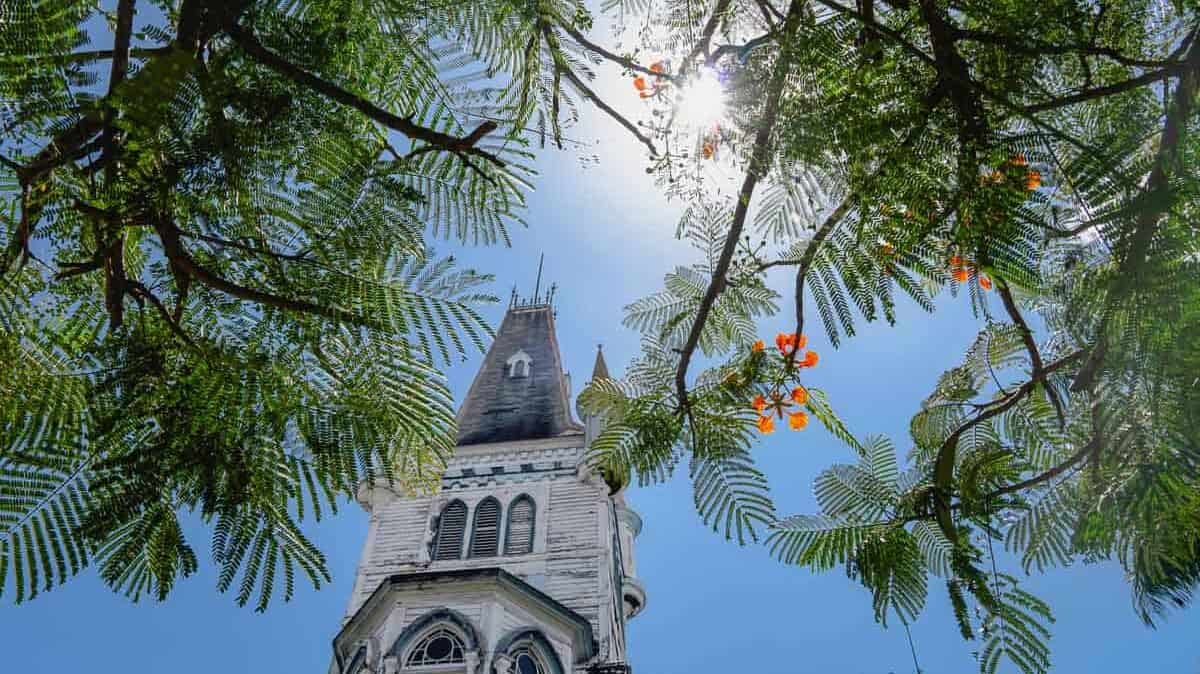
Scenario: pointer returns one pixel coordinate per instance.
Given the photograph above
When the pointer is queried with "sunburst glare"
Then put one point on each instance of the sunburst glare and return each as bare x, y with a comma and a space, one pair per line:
700, 104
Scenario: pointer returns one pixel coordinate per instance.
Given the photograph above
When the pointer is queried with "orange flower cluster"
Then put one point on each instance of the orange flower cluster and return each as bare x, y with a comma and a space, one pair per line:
1018, 166
962, 270
778, 403
778, 406
1033, 177
653, 85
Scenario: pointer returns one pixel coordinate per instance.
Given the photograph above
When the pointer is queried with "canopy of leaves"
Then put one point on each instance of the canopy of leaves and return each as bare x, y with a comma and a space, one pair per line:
217, 290
1040, 159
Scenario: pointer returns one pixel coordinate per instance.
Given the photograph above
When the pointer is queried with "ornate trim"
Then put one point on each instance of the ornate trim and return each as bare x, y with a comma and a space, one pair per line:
439, 615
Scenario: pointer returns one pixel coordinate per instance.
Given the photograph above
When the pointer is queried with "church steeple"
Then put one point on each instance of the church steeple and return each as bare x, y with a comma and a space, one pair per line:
520, 392
523, 560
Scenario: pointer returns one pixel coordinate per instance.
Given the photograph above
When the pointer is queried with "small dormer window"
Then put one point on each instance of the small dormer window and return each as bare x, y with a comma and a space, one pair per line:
518, 364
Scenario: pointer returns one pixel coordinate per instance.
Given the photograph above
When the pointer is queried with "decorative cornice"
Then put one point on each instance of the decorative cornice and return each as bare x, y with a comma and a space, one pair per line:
583, 639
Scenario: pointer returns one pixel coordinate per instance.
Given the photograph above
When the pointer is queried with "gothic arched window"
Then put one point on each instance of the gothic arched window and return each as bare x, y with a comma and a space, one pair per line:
448, 544
440, 646
485, 530
518, 537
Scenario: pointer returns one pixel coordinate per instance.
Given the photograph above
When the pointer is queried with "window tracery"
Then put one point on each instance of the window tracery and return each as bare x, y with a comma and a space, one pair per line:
440, 646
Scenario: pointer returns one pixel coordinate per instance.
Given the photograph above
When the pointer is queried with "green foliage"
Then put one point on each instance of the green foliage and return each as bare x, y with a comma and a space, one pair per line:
218, 292
1036, 161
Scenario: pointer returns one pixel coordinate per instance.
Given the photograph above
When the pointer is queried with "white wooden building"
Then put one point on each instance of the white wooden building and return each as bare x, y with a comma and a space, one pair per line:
523, 562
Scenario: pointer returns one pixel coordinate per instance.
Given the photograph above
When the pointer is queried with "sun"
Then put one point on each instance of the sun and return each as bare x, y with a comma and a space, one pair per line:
700, 104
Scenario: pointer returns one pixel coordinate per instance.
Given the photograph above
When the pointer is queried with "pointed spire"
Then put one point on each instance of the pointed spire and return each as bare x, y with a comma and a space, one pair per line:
600, 369
520, 391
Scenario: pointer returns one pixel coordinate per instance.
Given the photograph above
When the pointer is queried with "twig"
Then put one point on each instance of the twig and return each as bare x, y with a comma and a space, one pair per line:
583, 88
1043, 477
615, 58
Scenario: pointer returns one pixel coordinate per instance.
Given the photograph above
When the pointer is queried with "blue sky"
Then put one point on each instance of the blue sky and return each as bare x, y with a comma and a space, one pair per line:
712, 606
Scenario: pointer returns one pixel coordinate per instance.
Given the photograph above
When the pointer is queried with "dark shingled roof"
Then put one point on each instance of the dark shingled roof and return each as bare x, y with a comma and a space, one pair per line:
499, 407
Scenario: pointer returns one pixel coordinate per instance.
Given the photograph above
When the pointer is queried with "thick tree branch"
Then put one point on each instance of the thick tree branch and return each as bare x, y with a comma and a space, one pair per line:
109, 235
706, 34
759, 157
466, 145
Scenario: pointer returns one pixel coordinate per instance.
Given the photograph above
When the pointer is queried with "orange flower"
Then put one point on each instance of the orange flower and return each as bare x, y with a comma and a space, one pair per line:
766, 424
646, 94
985, 283
800, 394
797, 420
639, 83
960, 274
708, 149
810, 359
995, 177
758, 346
759, 403
786, 342
1033, 180
657, 67
887, 248
956, 261
1018, 159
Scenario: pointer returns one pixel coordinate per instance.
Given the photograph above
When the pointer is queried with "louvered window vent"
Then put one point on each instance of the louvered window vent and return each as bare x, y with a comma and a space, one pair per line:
485, 531
452, 525
519, 537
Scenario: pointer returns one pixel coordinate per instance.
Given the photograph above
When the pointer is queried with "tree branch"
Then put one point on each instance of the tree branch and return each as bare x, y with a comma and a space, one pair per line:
1100, 92
1035, 356
601, 51
706, 34
1043, 477
943, 468
587, 92
169, 235
1038, 48
758, 163
138, 290
459, 145
110, 239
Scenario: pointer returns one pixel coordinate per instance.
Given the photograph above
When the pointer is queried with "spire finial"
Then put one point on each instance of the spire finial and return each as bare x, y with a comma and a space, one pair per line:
538, 285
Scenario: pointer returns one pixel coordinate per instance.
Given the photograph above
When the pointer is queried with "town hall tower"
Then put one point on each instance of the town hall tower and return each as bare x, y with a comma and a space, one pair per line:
523, 562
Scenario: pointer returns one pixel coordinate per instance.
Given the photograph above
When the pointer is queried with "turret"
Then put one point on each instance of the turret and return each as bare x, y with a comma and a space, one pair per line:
593, 424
